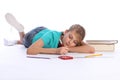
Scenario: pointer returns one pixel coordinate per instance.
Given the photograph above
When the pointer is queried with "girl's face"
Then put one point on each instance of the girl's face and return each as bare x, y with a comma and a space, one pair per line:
70, 39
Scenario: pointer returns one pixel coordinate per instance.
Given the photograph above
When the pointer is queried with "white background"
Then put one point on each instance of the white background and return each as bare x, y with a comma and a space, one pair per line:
100, 18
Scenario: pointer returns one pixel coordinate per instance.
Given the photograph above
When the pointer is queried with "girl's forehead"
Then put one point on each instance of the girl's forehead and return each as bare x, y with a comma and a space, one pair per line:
76, 35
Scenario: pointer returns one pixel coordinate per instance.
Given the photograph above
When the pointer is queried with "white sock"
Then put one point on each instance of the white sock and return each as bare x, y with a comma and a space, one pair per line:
9, 42
12, 21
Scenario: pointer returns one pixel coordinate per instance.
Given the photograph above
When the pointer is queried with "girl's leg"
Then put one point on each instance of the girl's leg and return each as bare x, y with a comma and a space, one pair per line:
19, 27
21, 34
13, 22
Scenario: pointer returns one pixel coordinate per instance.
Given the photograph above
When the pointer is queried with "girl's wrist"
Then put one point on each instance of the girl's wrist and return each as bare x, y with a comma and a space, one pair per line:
56, 51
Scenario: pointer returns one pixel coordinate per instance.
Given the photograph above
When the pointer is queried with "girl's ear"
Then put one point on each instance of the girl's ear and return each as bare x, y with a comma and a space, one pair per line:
65, 31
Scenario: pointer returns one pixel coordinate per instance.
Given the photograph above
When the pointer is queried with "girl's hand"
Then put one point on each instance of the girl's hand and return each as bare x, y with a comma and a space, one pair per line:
62, 50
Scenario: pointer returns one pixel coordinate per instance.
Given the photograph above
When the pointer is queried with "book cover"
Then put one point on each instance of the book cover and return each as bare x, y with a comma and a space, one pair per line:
103, 45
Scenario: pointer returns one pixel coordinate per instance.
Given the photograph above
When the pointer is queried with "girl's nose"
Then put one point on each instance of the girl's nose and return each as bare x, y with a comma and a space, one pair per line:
71, 41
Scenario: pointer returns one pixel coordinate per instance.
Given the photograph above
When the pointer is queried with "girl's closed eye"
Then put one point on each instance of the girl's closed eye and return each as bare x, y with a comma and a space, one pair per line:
70, 36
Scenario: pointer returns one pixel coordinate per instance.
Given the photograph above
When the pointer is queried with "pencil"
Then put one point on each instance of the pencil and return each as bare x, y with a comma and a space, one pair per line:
38, 57
61, 43
93, 55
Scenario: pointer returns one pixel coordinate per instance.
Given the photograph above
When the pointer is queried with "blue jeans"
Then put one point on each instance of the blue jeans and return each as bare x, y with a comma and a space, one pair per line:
27, 40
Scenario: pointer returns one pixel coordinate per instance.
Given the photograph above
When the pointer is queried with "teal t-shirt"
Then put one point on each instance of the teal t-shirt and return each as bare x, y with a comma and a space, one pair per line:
49, 37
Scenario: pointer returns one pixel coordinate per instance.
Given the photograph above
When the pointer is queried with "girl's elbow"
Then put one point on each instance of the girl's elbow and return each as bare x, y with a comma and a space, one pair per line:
30, 52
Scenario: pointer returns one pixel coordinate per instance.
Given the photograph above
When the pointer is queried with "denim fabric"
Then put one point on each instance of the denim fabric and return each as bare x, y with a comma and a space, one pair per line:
27, 41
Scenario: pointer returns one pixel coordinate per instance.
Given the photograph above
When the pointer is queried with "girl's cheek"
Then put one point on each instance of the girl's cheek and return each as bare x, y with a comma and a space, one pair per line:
73, 45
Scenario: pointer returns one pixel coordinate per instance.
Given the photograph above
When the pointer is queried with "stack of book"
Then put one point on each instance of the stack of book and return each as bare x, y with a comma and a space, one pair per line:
103, 45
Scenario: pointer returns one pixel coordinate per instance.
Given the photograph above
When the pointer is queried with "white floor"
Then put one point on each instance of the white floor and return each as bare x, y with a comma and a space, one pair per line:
14, 65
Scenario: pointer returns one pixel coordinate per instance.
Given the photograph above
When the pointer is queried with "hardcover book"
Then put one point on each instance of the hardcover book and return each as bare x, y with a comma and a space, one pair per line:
103, 45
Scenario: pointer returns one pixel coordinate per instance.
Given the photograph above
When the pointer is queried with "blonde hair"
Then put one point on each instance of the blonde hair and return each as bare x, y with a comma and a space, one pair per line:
79, 30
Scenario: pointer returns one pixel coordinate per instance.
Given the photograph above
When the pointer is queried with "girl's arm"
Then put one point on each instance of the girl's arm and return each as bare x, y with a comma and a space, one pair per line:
36, 48
84, 48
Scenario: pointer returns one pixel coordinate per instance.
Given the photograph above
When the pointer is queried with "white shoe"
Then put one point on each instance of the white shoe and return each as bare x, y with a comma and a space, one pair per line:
12, 21
9, 42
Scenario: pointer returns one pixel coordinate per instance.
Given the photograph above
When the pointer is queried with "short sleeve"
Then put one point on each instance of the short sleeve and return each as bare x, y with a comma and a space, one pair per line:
47, 38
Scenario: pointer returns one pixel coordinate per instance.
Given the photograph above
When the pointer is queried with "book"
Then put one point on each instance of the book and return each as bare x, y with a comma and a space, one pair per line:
103, 45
